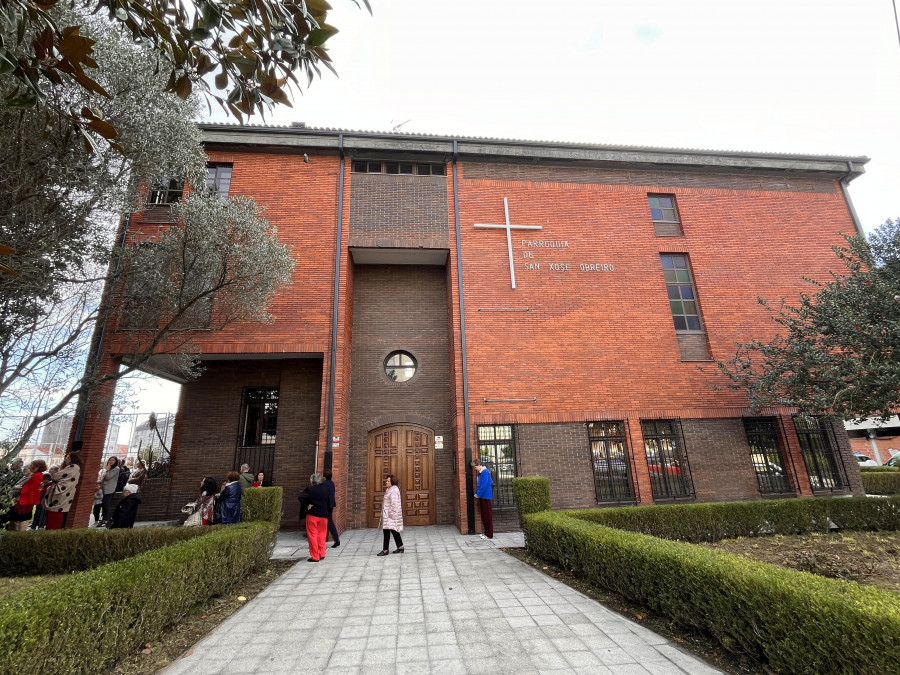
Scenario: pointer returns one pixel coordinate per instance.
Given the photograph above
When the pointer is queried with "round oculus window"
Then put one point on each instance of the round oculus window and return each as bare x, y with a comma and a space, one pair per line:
400, 366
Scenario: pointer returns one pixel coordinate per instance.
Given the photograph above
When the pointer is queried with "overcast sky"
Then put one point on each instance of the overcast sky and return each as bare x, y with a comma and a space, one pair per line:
805, 76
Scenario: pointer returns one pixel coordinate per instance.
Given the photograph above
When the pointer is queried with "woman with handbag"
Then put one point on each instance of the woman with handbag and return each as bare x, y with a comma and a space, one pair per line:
202, 511
392, 515
29, 496
61, 493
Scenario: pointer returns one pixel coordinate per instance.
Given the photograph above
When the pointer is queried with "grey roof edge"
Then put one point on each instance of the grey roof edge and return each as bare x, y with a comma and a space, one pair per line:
367, 143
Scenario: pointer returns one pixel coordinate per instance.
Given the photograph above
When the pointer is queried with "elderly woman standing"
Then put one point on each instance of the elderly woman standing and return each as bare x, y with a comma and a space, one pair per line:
59, 496
230, 499
392, 515
314, 503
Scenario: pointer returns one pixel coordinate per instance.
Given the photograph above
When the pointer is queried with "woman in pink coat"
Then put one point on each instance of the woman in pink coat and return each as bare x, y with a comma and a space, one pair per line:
392, 515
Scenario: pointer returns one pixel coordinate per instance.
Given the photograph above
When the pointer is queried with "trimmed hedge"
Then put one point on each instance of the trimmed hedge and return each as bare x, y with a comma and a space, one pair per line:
794, 621
727, 520
879, 469
881, 482
262, 504
62, 551
531, 495
83, 623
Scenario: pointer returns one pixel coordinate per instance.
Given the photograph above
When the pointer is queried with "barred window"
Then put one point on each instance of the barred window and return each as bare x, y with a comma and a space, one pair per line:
497, 451
666, 460
609, 460
765, 455
260, 418
818, 455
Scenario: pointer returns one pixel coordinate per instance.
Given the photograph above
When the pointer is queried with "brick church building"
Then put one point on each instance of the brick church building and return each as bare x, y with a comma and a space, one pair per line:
556, 309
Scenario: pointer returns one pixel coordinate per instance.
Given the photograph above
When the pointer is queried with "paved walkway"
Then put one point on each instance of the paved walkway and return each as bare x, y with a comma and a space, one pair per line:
450, 604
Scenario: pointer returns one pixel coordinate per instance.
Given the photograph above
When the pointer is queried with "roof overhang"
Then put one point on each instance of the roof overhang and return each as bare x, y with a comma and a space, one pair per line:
436, 148
399, 256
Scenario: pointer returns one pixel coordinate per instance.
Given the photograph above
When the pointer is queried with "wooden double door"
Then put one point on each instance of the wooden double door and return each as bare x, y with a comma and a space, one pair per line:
407, 451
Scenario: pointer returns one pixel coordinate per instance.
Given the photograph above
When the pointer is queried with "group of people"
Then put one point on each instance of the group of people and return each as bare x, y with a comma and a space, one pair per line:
117, 477
317, 504
214, 506
38, 496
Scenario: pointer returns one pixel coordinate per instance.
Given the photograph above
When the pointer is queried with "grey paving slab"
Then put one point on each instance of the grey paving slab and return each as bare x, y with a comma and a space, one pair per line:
450, 604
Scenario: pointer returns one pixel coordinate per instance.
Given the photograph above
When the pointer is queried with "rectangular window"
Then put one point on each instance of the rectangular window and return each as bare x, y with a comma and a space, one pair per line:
167, 191
765, 455
666, 460
681, 292
218, 180
662, 208
260, 419
497, 451
664, 216
609, 459
818, 454
401, 168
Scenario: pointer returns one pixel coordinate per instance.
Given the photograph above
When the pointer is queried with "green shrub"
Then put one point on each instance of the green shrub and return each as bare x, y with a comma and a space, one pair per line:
82, 623
793, 621
531, 495
881, 483
62, 551
880, 469
262, 504
727, 520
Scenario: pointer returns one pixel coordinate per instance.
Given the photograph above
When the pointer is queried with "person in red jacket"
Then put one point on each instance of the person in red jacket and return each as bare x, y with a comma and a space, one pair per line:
30, 496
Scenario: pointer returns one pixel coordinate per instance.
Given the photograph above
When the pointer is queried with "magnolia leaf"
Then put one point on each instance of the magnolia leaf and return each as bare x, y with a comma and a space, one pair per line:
183, 86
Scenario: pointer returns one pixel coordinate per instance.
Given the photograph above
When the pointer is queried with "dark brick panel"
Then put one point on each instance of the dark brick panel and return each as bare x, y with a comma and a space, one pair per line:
693, 347
561, 453
398, 211
555, 174
210, 412
719, 456
399, 307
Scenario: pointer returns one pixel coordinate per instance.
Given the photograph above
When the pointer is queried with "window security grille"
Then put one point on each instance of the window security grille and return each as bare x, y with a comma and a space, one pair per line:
666, 459
765, 456
609, 460
818, 455
497, 451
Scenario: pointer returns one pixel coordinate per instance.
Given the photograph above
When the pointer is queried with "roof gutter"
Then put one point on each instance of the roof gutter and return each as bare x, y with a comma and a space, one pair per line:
842, 181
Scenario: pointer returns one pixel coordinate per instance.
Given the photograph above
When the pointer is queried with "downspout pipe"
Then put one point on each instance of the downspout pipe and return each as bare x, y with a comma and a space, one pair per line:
334, 310
470, 489
849, 202
97, 341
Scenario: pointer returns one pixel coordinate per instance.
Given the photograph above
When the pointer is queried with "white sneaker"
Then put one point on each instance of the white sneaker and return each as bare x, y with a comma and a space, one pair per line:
483, 536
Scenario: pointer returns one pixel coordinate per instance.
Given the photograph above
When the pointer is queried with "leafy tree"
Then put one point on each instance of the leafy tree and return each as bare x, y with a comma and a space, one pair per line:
840, 352
59, 213
257, 46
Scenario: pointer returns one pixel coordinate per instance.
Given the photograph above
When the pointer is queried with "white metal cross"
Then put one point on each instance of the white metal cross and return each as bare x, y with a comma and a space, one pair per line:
509, 228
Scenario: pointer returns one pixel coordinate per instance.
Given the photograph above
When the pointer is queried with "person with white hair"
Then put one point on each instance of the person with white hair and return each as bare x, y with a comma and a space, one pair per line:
314, 502
126, 512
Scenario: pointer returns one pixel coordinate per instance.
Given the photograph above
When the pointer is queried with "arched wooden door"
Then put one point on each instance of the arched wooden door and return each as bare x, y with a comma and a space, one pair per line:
407, 451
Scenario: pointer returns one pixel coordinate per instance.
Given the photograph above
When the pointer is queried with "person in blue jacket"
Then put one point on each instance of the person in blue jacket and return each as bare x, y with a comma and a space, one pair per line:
484, 492
229, 499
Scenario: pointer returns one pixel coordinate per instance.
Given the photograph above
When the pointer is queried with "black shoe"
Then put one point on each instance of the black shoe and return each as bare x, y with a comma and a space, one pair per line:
385, 552
399, 550
336, 544
311, 560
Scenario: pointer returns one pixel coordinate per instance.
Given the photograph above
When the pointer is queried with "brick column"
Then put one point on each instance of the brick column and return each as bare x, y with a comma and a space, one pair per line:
795, 458
99, 406
641, 470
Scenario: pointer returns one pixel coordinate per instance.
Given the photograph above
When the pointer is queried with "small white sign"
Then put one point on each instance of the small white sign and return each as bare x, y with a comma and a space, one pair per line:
438, 439
335, 439
438, 445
